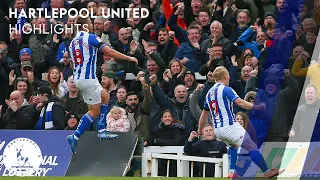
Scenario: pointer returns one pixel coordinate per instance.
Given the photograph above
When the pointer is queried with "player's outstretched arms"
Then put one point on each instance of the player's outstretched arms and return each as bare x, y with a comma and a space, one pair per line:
246, 105
117, 55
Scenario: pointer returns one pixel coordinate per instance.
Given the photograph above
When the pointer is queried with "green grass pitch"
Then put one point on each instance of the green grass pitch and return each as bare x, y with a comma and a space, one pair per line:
117, 178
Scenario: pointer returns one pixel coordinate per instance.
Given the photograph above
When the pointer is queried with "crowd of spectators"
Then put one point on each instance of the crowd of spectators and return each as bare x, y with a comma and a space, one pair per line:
268, 47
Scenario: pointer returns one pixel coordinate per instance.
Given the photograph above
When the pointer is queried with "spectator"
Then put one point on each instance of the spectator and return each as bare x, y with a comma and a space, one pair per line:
4, 80
165, 44
179, 104
275, 114
257, 46
259, 126
52, 114
243, 120
170, 132
269, 20
173, 77
20, 114
110, 84
238, 81
190, 81
215, 37
138, 112
72, 121
4, 53
234, 29
204, 19
312, 71
73, 100
215, 59
117, 121
57, 83
209, 146
187, 51
295, 54
311, 38
306, 121
27, 72
124, 45
121, 97
39, 43
23, 85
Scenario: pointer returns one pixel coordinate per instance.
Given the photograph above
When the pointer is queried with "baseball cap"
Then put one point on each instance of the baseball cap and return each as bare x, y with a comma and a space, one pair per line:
109, 74
44, 90
190, 72
26, 64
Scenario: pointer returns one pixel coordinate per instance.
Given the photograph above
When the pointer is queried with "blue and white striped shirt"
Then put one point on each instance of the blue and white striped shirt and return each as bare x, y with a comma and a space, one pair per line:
219, 101
83, 52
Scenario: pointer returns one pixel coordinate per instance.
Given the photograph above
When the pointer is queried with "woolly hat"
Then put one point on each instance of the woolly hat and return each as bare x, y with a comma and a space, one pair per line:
25, 50
270, 14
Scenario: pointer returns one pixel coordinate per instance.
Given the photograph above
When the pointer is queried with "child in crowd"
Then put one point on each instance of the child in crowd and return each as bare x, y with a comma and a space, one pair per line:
117, 120
73, 121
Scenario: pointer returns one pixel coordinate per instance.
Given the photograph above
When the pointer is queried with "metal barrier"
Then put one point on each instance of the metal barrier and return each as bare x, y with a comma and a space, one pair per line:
152, 154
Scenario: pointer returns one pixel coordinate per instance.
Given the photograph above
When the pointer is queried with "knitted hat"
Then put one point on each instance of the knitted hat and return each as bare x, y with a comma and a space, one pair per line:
270, 14
25, 50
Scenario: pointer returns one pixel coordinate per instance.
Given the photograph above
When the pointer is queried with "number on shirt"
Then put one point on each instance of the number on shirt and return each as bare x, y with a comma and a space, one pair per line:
78, 57
214, 106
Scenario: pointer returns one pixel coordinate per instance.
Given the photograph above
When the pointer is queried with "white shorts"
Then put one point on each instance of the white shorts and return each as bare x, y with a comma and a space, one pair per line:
234, 134
90, 90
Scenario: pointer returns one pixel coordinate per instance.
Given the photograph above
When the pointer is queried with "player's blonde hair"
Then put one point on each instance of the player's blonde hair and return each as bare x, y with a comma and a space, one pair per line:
219, 73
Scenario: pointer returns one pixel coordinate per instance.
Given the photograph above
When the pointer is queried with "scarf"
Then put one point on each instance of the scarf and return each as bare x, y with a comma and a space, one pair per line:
48, 121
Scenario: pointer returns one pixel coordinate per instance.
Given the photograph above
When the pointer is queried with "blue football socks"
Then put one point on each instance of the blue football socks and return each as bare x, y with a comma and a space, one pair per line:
102, 123
258, 159
84, 124
232, 155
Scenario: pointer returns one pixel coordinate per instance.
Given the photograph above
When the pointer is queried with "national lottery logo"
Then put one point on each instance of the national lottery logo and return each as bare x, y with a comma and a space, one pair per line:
22, 157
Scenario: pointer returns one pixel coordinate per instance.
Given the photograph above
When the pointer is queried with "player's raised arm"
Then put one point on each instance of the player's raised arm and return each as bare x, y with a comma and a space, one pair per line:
117, 55
246, 105
202, 121
97, 42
